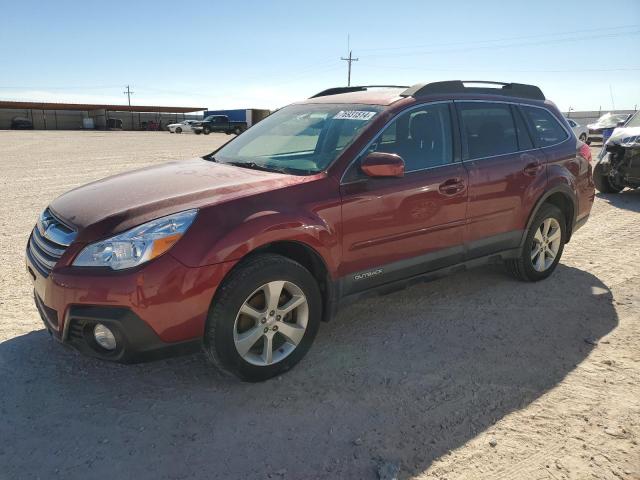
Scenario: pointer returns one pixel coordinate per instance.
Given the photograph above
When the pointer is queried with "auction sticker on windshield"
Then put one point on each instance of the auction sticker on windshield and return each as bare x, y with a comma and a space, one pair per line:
354, 115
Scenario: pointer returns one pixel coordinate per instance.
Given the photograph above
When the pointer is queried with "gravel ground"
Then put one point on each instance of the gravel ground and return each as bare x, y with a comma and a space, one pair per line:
472, 376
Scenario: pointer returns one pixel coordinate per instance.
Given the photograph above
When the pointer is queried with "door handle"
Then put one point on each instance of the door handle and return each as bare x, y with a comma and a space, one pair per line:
532, 169
451, 187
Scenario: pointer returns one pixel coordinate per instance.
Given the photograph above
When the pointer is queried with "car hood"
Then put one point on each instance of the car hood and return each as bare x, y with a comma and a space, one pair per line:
117, 203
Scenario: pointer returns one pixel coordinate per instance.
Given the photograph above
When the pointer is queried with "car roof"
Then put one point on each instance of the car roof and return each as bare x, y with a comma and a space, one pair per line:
383, 96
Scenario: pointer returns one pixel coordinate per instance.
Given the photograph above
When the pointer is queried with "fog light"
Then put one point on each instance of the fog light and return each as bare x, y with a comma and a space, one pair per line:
104, 337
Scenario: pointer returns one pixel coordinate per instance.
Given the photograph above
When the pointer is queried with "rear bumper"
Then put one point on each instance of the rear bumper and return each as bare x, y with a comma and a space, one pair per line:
156, 310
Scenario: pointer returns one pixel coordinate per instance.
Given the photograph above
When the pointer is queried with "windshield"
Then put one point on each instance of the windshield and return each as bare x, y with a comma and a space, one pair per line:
299, 139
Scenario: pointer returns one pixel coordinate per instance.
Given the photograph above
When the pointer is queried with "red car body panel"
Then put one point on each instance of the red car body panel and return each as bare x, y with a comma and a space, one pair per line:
173, 299
444, 214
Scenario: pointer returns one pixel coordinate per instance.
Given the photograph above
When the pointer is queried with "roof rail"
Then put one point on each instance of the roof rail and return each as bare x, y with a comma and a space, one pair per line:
359, 88
458, 86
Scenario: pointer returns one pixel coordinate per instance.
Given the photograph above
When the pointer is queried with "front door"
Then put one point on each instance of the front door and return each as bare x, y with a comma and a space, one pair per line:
398, 227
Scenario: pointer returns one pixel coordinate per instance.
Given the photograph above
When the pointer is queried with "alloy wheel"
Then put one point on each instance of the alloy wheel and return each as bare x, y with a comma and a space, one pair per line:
271, 323
546, 244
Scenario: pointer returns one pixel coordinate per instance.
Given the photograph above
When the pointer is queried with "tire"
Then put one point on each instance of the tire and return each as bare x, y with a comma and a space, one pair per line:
178, 130
237, 131
197, 132
583, 138
244, 289
171, 131
206, 130
527, 266
603, 181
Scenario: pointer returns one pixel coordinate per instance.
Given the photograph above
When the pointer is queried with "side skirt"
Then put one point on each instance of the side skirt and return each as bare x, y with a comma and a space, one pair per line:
396, 285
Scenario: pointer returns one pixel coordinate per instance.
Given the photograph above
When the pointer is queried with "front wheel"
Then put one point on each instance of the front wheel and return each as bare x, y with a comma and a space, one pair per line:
237, 131
583, 138
178, 130
604, 182
263, 319
206, 130
543, 246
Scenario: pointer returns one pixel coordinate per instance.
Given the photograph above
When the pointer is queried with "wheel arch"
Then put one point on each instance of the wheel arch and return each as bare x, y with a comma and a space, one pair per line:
309, 258
562, 197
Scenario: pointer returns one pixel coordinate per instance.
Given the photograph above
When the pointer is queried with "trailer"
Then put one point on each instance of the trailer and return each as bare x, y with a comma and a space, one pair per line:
249, 115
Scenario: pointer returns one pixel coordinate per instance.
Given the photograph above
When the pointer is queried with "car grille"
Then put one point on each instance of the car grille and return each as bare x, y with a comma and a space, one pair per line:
76, 329
48, 241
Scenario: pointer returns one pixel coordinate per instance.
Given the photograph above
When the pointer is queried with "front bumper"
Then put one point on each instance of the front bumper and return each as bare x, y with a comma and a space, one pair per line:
154, 310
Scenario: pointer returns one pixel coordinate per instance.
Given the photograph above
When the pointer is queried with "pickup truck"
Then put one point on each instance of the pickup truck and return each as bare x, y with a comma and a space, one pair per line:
218, 123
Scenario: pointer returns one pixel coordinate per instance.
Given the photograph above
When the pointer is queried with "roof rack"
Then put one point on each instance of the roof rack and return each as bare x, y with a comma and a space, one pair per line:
359, 88
458, 86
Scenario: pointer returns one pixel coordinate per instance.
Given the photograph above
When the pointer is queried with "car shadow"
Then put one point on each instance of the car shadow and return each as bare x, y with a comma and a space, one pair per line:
406, 378
628, 199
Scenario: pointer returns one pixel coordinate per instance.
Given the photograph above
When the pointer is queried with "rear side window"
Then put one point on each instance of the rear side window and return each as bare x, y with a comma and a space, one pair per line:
524, 140
488, 129
546, 128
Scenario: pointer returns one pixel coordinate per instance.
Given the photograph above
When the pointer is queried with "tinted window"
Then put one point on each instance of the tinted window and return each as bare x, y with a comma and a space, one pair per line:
546, 128
488, 129
422, 137
524, 139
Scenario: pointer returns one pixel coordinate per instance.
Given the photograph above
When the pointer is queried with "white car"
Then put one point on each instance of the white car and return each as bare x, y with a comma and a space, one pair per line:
582, 132
181, 127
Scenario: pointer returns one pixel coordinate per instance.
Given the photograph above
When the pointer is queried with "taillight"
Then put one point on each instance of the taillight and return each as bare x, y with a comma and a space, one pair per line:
585, 151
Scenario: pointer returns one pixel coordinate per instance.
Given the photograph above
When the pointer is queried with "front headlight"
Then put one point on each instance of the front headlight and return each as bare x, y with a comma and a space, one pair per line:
138, 245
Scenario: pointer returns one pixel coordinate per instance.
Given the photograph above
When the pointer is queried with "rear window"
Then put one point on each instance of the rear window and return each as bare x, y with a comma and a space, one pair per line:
546, 129
488, 129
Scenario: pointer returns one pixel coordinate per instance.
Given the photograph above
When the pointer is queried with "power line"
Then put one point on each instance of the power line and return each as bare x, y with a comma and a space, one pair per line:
522, 44
503, 39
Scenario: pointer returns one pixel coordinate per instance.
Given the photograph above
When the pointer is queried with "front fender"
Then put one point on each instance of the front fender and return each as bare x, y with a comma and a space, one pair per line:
228, 232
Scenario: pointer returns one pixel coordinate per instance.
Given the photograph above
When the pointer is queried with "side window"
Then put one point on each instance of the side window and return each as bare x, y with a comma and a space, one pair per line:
546, 128
524, 139
572, 123
422, 137
488, 129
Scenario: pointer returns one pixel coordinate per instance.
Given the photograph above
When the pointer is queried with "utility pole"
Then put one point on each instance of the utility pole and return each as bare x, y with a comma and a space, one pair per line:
128, 93
349, 60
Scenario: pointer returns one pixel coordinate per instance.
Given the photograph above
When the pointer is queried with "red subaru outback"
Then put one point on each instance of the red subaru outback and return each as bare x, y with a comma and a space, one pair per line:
355, 190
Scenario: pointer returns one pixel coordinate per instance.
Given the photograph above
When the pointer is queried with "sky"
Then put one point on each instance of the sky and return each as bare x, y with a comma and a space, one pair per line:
266, 54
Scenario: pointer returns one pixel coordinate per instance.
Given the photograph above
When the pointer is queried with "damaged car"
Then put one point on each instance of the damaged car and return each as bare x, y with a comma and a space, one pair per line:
618, 164
602, 128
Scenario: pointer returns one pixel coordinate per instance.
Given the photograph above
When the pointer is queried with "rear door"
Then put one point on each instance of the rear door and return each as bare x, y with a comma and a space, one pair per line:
506, 175
397, 227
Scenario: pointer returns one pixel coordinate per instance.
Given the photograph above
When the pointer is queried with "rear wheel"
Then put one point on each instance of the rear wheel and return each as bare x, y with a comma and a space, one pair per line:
237, 131
605, 182
543, 246
263, 319
206, 130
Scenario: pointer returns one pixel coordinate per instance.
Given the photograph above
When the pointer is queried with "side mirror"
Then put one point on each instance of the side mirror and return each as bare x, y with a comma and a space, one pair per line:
380, 164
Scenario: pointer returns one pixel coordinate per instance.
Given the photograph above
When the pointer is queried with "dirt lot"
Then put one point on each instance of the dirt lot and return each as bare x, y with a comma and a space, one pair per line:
472, 376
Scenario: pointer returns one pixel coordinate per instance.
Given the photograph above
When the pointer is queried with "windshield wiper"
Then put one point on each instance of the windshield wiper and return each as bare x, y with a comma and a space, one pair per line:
256, 166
